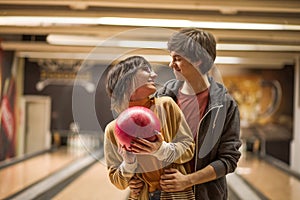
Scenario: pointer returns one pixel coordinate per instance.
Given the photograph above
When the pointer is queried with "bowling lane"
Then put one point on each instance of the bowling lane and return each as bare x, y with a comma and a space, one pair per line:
93, 185
269, 180
18, 176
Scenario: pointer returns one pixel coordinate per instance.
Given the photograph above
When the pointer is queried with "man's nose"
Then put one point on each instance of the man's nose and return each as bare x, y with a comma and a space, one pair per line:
171, 64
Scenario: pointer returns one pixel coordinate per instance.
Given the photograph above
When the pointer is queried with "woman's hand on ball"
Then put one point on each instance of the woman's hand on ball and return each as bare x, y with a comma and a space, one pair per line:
128, 156
143, 146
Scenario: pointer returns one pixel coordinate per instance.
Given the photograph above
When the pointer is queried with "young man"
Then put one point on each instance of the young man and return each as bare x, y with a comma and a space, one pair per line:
211, 113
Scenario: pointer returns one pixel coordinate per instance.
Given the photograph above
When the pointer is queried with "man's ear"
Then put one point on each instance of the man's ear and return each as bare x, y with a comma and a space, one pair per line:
197, 65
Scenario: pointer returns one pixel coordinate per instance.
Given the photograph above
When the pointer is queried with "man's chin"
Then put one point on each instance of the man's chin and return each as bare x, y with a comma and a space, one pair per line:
179, 77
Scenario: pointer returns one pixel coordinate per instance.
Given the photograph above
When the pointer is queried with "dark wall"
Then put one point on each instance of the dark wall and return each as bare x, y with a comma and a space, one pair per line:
62, 111
61, 115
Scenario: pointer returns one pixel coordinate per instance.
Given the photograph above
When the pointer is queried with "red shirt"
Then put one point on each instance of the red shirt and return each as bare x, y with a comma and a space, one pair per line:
193, 108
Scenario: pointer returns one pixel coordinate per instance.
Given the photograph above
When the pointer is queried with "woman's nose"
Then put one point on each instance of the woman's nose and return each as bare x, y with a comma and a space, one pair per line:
153, 74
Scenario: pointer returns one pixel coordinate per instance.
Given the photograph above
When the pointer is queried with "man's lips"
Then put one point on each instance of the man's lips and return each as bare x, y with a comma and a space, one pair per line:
177, 69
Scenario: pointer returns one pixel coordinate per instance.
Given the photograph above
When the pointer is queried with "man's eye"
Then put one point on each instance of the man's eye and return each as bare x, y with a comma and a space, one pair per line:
176, 58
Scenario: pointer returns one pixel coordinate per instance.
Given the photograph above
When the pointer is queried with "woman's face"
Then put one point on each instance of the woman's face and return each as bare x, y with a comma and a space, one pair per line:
143, 83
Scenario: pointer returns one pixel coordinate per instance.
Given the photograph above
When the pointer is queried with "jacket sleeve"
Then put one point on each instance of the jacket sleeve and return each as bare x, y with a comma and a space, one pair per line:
119, 172
179, 145
228, 151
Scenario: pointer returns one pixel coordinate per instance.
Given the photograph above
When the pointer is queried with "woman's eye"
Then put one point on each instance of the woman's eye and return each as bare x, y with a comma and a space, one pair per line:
147, 69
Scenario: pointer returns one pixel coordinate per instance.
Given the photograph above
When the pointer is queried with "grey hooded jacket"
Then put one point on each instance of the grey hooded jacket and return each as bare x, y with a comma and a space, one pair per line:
218, 138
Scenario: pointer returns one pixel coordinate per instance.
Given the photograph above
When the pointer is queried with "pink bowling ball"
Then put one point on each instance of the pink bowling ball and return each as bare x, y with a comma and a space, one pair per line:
136, 121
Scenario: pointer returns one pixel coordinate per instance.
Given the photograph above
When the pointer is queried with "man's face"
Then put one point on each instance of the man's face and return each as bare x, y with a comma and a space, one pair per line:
182, 68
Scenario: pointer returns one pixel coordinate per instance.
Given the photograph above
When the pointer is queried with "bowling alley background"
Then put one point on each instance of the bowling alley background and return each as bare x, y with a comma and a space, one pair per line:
50, 83
8, 108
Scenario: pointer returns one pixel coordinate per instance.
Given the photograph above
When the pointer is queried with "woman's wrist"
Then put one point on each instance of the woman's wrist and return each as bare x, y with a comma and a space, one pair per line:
131, 160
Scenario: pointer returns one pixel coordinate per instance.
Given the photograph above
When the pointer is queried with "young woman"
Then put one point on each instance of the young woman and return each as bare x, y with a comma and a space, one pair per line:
131, 83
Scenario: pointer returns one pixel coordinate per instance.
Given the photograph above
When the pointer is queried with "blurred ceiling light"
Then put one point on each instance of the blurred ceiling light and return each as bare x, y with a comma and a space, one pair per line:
144, 22
79, 40
45, 21
188, 23
257, 47
88, 86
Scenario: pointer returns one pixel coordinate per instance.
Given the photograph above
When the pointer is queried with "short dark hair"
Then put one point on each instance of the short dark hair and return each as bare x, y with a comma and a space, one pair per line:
194, 45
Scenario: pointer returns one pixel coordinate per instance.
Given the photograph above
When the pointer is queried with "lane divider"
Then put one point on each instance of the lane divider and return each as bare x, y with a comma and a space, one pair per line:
54, 183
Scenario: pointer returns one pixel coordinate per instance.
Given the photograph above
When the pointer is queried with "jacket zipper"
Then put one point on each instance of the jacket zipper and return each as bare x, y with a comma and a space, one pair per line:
196, 155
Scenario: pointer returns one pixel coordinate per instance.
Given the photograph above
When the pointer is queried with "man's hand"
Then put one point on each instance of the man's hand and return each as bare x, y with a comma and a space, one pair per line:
174, 181
135, 185
143, 146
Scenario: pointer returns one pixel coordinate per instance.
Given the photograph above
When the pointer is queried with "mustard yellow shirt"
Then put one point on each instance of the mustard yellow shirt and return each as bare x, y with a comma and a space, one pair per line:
176, 150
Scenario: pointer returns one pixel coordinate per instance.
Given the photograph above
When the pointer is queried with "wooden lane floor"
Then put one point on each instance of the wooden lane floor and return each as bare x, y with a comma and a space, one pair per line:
23, 174
269, 180
94, 184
